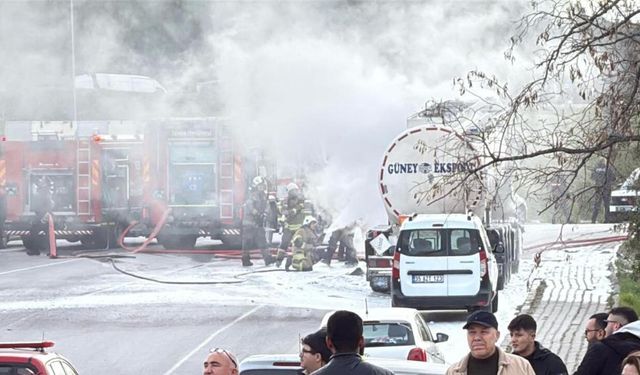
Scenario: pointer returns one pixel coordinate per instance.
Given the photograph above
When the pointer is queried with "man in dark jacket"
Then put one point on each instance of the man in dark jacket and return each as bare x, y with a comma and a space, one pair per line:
604, 357
595, 331
523, 333
345, 340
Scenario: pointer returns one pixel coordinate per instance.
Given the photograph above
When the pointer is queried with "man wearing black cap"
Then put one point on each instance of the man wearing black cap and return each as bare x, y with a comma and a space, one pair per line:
345, 340
485, 357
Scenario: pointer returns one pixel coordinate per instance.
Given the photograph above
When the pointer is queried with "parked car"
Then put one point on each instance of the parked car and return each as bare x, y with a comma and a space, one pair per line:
399, 333
444, 262
31, 358
289, 364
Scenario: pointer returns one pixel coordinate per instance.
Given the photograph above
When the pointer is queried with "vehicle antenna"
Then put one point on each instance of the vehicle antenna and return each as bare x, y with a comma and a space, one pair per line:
366, 307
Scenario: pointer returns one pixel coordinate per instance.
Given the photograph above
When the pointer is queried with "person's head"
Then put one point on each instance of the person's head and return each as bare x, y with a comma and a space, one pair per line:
523, 334
314, 352
310, 222
292, 188
259, 184
344, 332
631, 364
595, 329
482, 334
220, 362
619, 317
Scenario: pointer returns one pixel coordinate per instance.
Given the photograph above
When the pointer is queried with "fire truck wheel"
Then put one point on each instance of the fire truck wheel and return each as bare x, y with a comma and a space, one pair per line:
232, 242
173, 242
34, 243
101, 239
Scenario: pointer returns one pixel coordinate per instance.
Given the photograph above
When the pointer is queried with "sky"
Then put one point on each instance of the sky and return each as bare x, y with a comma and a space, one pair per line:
325, 85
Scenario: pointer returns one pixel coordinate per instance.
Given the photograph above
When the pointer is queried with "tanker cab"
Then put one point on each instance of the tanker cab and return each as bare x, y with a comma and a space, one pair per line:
444, 258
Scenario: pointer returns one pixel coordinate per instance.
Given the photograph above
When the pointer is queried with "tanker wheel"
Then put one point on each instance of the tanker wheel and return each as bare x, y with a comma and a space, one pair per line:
177, 242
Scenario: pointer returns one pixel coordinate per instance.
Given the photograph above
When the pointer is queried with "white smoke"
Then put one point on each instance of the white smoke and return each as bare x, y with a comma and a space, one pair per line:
323, 85
329, 86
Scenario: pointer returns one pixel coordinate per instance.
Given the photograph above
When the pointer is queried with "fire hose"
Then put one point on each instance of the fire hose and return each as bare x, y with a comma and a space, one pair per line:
151, 237
566, 244
53, 253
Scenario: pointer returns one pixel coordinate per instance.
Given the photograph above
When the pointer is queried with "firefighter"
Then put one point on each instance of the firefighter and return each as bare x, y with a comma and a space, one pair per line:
273, 214
342, 239
253, 223
42, 205
293, 213
304, 243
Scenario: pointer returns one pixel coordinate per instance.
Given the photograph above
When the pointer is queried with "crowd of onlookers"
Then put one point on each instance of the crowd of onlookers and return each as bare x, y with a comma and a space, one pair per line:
613, 339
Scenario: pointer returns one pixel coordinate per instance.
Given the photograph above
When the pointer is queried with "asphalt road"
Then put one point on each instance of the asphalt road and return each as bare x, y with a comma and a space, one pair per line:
109, 323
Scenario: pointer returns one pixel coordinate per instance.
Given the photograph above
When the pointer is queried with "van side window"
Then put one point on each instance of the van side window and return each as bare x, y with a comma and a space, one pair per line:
464, 242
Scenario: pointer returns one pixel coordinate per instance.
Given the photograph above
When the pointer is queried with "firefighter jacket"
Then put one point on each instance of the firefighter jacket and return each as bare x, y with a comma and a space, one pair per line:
42, 201
508, 364
304, 241
255, 209
294, 212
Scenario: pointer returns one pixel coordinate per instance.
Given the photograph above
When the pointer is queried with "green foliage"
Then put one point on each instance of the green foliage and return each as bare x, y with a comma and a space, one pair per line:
629, 292
629, 266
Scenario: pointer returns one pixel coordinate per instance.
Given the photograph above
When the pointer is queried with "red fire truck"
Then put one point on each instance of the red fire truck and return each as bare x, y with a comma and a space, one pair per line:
88, 172
197, 171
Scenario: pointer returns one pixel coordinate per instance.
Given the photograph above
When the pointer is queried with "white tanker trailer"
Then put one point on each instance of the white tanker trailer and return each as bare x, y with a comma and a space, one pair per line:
427, 170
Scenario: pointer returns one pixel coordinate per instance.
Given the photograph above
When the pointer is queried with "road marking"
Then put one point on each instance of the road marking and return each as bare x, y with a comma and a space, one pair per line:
208, 339
36, 267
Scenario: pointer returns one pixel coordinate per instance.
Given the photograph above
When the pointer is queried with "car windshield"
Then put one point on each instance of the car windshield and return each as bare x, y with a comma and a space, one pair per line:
387, 334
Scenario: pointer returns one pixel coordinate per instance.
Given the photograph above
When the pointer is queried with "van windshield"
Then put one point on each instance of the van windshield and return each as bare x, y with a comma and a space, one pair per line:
439, 242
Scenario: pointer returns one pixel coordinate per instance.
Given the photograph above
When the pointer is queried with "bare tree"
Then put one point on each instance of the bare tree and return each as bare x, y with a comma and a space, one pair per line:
580, 109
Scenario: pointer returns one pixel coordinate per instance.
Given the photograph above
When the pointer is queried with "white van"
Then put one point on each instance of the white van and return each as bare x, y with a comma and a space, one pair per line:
444, 262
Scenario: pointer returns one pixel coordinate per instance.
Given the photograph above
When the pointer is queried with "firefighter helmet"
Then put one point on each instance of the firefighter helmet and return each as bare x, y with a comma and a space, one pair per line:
308, 220
258, 180
292, 186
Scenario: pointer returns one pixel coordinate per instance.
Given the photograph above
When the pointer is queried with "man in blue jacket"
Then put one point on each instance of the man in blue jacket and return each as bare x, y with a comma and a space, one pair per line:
523, 342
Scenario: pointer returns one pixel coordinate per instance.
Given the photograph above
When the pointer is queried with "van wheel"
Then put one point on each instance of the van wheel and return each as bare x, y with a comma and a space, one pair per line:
501, 282
494, 303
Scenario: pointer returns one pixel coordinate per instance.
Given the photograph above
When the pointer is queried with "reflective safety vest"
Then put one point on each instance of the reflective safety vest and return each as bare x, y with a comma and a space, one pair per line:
303, 244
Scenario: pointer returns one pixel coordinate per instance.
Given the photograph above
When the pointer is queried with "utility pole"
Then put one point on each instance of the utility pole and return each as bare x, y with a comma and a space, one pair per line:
73, 63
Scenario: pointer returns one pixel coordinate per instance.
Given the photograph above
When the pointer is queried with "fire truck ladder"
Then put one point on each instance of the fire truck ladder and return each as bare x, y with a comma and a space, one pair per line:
83, 158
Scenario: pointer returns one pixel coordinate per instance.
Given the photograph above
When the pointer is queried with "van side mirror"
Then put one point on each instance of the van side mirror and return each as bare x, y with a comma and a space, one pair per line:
442, 337
499, 248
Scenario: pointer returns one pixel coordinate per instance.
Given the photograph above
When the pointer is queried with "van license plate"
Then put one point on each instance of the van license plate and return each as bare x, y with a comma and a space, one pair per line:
428, 279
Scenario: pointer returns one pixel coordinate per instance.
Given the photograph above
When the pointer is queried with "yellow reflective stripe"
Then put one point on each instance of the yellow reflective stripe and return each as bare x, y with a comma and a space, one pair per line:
95, 173
3, 172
